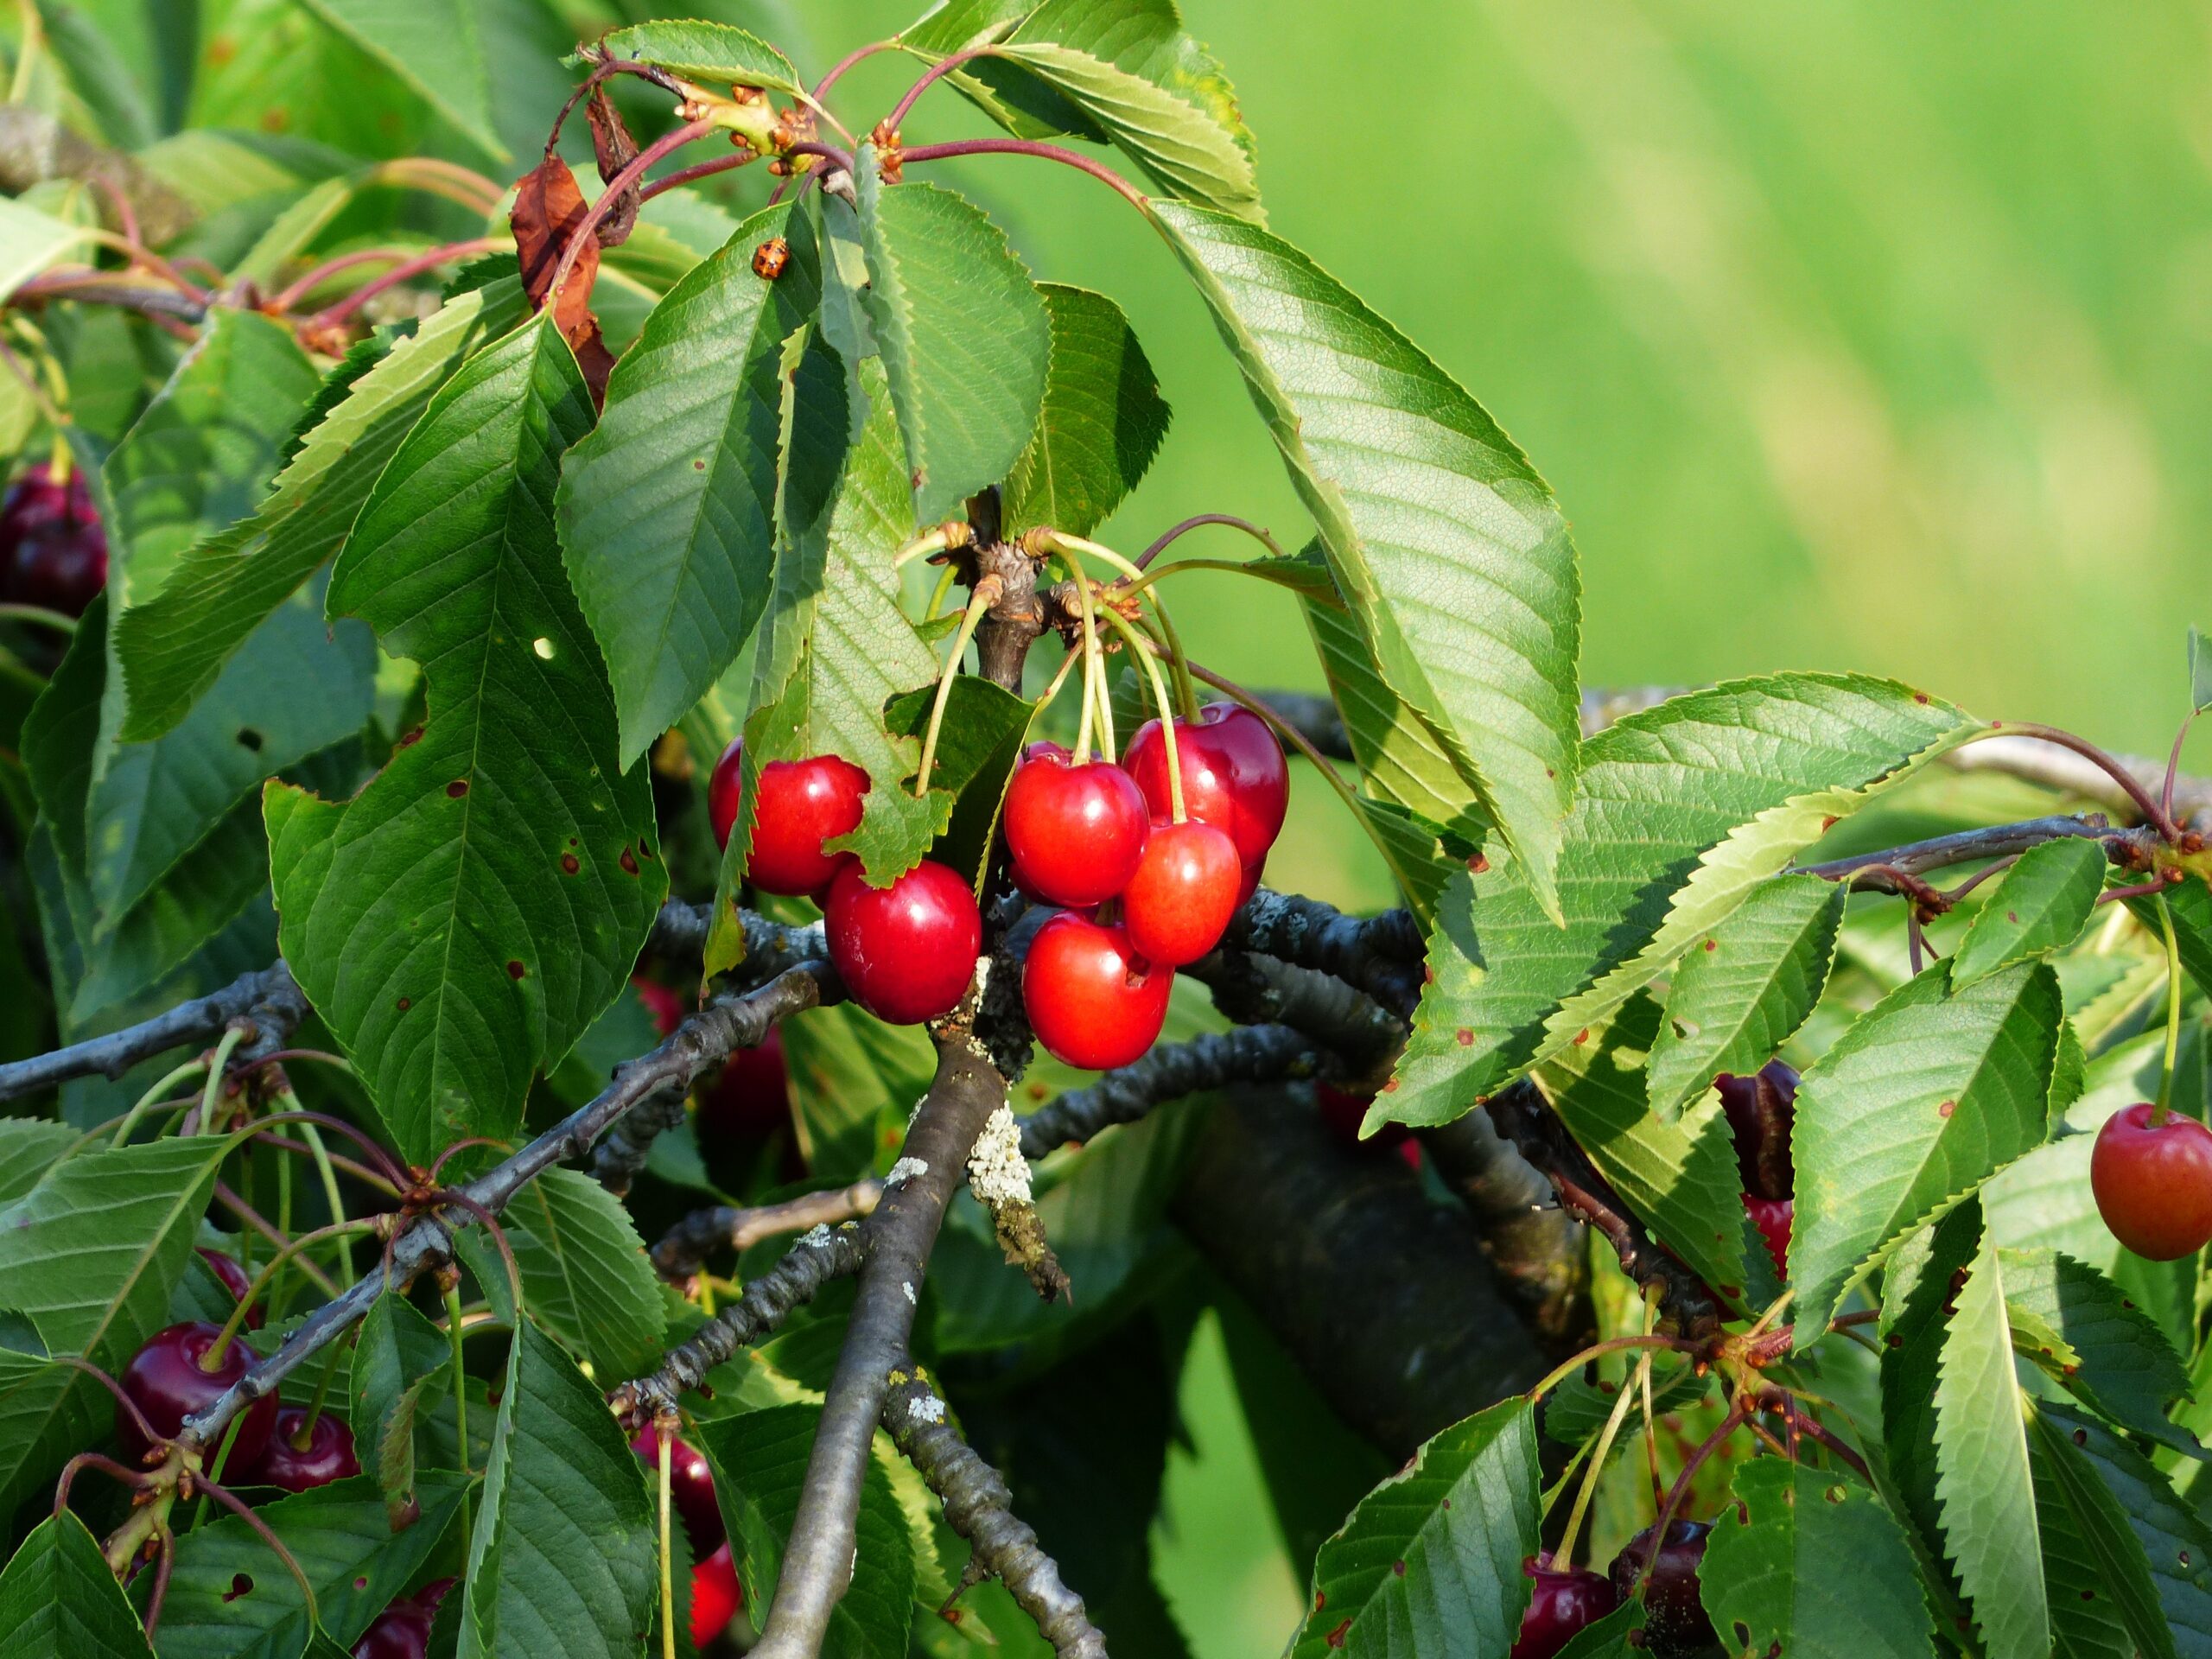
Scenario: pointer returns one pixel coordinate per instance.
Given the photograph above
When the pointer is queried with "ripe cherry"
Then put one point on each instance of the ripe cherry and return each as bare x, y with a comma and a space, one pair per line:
1675, 1619
1182, 893
2153, 1181
1772, 1217
1343, 1111
166, 1381
907, 952
1565, 1601
691, 1486
235, 1280
53, 550
1234, 775
751, 1099
403, 1629
327, 1455
802, 803
1093, 1002
1077, 833
715, 1596
1760, 1109
665, 1007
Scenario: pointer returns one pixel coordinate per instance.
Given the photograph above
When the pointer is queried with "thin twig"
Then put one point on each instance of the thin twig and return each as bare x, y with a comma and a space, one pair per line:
266, 996
682, 1250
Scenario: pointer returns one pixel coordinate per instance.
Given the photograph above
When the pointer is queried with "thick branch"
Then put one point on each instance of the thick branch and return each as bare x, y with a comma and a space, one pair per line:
1246, 1054
680, 931
979, 1508
683, 1249
1535, 1246
1379, 955
729, 1022
267, 998
1257, 990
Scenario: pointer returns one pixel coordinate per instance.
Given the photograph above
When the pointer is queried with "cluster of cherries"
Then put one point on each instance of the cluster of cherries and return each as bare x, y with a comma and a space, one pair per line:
1141, 892
1760, 1109
52, 550
717, 1596
1565, 1599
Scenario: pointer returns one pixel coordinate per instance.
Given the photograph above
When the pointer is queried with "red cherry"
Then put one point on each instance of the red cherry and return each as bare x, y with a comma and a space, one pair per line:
1093, 1002
1234, 775
1675, 1619
1761, 1109
401, 1631
715, 1597
327, 1456
1250, 884
1772, 1217
1077, 833
1182, 893
802, 803
1565, 1599
751, 1099
691, 1486
53, 550
665, 1007
907, 952
235, 1280
2153, 1181
166, 1382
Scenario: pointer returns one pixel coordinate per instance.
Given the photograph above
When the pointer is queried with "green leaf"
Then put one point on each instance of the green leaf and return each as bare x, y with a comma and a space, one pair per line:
1400, 760
29, 1147
1681, 810
1102, 421
1429, 1563
1577, 1410
667, 509
717, 55
232, 1599
976, 750
2200, 672
29, 242
963, 332
57, 1596
2073, 1323
2176, 1541
585, 1277
1802, 1564
397, 1357
2067, 1483
1447, 547
173, 646
2040, 905
2190, 907
760, 1462
1743, 990
1915, 1316
433, 47
463, 920
565, 1559
2086, 1622
1984, 1490
848, 1070
91, 1256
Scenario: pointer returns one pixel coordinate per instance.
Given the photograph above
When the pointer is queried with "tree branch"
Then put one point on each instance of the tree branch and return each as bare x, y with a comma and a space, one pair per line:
979, 1508
683, 1249
266, 998
1257, 990
1379, 955
1879, 871
680, 930
1246, 1054
1535, 1246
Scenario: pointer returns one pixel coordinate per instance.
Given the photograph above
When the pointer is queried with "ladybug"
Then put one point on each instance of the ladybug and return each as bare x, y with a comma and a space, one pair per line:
770, 258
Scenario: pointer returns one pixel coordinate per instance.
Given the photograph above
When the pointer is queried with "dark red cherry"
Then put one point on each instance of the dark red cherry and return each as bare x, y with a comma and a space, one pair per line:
1250, 884
1182, 893
1564, 1602
1093, 1002
1760, 1109
401, 1631
53, 550
665, 1007
166, 1382
2153, 1181
1344, 1110
1077, 833
691, 1486
235, 1280
1234, 775
1675, 1619
1772, 1217
327, 1455
802, 803
751, 1099
907, 952
715, 1597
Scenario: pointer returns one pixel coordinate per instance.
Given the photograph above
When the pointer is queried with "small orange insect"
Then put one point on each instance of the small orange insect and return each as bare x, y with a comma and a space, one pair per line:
770, 258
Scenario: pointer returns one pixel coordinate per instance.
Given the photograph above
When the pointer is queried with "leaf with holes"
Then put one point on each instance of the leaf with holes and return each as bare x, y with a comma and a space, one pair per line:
1446, 546
57, 1596
2039, 906
1743, 990
963, 335
585, 1278
461, 922
719, 55
173, 644
2073, 1323
2095, 1544
399, 1354
667, 509
565, 1553
1802, 1564
1103, 419
432, 47
1429, 1562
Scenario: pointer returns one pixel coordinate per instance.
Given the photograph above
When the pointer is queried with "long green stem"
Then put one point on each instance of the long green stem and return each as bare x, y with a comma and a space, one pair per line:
1093, 680
1567, 1367
2173, 1012
1137, 649
1565, 1553
224, 1050
982, 602
662, 1439
321, 1393
336, 1230
313, 1137
146, 1103
929, 542
459, 1376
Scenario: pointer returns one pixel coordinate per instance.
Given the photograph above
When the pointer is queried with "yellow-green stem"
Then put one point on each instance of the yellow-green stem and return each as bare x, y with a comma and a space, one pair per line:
214, 1357
1565, 1554
1137, 650
937, 594
982, 602
1093, 680
313, 1137
667, 1554
224, 1050
27, 59
299, 1440
929, 542
1135, 581
459, 1374
217, 1465
146, 1103
2173, 1011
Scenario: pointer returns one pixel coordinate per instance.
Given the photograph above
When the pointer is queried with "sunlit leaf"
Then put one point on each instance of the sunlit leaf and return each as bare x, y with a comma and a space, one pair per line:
2040, 905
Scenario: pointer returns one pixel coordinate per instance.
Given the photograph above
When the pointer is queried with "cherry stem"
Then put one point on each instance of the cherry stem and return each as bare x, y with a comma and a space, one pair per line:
986, 595
2173, 1015
937, 594
1175, 532
1134, 580
1089, 652
59, 621
1106, 176
163, 1564
431, 259
461, 1145
383, 1160
306, 1434
137, 1417
235, 1033
1590, 1475
1575, 1362
930, 76
2153, 814
1175, 808
697, 170
1737, 1415
147, 1102
933, 540
212, 1360
1828, 1438
858, 54
667, 144
664, 1435
1290, 734
1997, 868
441, 178
2173, 766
